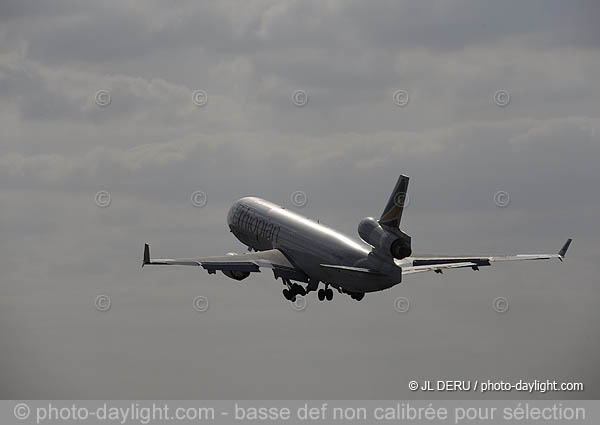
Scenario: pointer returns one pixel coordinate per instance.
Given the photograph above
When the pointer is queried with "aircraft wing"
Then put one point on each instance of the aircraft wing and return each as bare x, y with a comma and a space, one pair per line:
249, 262
438, 264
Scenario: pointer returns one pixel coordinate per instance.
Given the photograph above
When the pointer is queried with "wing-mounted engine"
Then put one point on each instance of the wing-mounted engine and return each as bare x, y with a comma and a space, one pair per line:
235, 274
384, 239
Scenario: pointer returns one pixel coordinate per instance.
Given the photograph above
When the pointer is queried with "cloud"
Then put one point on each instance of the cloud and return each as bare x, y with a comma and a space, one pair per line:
490, 153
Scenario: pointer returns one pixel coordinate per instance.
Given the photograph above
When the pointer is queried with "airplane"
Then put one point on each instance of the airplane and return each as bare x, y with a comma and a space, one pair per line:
300, 250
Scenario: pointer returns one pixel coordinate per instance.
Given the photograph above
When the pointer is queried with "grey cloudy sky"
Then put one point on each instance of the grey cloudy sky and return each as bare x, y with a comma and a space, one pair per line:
151, 147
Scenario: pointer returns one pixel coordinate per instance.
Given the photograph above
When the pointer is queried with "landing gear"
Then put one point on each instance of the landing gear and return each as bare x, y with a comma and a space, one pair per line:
292, 290
312, 285
326, 293
288, 295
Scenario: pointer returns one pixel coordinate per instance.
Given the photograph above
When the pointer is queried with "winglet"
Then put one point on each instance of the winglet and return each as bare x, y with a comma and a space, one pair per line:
563, 250
146, 255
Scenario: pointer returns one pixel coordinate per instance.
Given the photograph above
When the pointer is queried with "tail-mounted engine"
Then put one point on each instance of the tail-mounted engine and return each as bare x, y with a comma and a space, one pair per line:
385, 239
384, 235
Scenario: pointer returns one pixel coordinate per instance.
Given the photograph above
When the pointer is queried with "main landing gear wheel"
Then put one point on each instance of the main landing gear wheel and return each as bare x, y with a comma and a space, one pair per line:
321, 294
289, 295
298, 289
329, 294
325, 294
292, 290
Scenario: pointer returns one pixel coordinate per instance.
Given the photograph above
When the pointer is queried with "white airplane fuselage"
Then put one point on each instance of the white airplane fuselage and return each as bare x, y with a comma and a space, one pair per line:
263, 225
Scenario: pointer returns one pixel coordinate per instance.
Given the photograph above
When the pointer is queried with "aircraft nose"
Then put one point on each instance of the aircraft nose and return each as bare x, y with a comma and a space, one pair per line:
234, 211
231, 213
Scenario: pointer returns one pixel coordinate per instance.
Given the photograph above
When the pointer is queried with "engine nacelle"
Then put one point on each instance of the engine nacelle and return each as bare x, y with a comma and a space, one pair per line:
236, 275
386, 240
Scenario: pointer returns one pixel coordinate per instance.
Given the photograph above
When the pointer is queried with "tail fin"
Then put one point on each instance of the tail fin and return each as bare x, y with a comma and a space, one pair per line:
393, 210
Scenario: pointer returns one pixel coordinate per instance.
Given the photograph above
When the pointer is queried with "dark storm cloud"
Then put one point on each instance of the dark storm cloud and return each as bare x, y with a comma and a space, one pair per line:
151, 147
